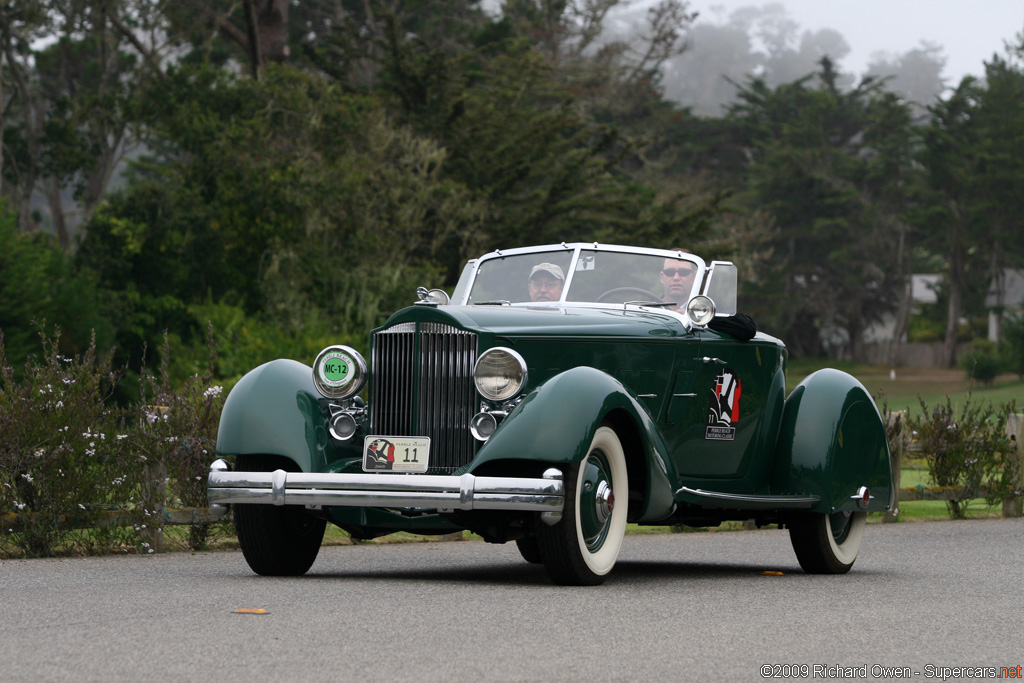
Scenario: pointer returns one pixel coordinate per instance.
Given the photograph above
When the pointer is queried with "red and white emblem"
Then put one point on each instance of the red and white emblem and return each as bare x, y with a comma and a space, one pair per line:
724, 407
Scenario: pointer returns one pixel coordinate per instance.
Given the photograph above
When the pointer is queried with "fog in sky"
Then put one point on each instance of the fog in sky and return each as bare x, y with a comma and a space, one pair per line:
969, 31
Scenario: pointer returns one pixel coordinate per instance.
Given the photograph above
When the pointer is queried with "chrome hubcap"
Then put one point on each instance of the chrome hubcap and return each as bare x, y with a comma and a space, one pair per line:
604, 502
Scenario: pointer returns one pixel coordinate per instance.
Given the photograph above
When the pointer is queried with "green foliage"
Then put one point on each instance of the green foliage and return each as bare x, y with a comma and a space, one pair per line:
981, 362
1011, 344
71, 458
39, 285
244, 342
177, 439
968, 450
827, 165
63, 454
291, 198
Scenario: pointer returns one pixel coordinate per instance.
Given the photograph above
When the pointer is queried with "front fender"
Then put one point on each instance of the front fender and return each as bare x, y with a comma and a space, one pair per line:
831, 442
273, 409
556, 422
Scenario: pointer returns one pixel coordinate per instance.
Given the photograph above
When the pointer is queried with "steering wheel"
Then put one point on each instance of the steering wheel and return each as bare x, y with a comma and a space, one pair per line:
645, 295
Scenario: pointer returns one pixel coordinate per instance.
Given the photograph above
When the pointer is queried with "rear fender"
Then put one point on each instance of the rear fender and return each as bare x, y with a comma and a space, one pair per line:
832, 442
556, 422
273, 409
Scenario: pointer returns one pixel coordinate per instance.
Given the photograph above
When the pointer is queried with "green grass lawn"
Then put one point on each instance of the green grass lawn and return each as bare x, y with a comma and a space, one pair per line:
930, 384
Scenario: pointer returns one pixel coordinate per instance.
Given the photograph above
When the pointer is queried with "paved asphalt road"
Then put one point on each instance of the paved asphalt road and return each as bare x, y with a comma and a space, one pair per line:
687, 607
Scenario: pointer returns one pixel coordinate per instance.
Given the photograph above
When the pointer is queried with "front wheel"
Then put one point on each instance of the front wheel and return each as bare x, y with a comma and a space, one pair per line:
529, 549
827, 544
276, 541
583, 546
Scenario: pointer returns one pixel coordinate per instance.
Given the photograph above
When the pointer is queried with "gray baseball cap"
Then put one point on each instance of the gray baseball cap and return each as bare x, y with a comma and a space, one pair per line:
549, 268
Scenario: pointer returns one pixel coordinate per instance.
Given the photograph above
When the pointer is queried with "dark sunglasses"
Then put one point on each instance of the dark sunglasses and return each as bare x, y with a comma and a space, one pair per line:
682, 272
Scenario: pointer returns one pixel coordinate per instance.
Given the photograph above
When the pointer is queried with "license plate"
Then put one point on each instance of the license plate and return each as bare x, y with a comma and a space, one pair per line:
396, 453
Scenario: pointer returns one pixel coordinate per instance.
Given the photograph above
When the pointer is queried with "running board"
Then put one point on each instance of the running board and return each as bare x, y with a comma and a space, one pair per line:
740, 501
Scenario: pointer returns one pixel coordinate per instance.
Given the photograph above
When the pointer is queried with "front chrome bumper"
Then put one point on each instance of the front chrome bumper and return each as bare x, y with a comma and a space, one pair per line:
443, 493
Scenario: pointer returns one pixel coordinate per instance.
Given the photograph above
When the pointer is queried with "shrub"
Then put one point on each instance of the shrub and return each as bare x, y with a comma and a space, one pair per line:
78, 473
968, 451
981, 362
1011, 346
177, 437
63, 454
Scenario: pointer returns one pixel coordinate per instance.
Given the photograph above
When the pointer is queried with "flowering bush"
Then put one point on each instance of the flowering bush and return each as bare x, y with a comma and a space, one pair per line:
177, 435
79, 473
62, 448
968, 451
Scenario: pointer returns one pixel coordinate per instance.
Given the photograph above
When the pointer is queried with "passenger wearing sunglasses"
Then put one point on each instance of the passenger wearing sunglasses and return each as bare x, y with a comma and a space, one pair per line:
677, 279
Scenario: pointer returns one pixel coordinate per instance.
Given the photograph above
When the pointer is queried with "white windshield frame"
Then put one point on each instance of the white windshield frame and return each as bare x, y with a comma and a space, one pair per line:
469, 275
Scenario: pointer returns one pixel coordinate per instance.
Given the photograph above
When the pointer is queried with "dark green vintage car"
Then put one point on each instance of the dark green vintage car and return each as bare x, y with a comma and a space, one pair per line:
559, 394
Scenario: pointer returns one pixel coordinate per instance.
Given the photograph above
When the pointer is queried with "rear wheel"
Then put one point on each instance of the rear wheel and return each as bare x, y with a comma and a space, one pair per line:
827, 544
583, 546
276, 541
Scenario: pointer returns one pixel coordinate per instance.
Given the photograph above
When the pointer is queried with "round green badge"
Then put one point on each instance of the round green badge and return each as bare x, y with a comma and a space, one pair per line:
336, 369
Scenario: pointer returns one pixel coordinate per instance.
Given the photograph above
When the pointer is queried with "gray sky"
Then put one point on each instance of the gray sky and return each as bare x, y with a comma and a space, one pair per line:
969, 31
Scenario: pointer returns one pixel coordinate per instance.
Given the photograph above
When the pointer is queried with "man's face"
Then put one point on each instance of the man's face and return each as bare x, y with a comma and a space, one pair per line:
545, 287
677, 279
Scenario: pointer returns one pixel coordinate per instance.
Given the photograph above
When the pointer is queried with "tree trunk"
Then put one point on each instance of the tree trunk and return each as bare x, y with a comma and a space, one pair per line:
60, 227
272, 29
956, 287
906, 299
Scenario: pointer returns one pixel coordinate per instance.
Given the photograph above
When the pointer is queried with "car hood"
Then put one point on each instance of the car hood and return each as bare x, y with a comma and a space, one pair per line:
528, 321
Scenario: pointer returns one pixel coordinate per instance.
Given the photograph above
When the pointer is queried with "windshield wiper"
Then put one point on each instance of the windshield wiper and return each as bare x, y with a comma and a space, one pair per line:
650, 304
496, 302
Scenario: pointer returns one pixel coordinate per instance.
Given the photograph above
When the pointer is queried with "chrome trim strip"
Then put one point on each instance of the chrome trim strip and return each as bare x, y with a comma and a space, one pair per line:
779, 501
465, 492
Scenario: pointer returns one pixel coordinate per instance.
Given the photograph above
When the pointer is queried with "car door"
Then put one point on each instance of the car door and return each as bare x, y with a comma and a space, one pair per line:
719, 434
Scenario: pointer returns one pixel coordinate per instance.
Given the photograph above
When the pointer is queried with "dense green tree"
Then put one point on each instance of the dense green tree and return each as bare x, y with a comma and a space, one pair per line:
1000, 172
286, 196
67, 119
40, 291
826, 164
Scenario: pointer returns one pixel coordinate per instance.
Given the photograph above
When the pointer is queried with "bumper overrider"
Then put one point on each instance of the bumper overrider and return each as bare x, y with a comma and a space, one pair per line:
443, 493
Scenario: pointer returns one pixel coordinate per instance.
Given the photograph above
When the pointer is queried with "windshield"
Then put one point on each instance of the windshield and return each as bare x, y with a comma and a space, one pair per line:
598, 276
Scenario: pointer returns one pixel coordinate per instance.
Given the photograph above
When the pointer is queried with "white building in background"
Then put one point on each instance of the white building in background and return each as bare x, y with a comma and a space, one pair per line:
924, 289
1009, 301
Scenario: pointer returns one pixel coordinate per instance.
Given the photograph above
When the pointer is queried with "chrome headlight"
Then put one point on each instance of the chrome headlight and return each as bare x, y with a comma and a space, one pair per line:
701, 310
499, 374
339, 372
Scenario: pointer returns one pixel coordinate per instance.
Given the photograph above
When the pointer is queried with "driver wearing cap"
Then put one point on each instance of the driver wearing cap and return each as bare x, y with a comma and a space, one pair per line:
546, 282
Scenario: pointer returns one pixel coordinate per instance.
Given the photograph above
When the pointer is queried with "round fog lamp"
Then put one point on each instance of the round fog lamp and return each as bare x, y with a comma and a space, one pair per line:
482, 426
701, 310
343, 426
499, 374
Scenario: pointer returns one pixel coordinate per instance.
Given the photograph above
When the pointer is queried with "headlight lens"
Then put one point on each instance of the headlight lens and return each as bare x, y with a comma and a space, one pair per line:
339, 372
499, 374
701, 310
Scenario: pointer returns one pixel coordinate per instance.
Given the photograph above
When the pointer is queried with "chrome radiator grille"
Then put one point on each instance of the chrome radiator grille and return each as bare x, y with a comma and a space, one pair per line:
422, 385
